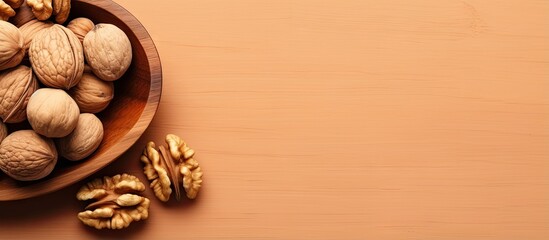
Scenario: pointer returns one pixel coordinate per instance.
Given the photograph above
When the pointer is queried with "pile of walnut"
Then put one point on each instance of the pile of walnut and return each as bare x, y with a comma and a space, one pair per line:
117, 202
68, 79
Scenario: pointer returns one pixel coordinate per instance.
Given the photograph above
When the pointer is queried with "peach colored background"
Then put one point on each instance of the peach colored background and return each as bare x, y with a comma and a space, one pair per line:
345, 119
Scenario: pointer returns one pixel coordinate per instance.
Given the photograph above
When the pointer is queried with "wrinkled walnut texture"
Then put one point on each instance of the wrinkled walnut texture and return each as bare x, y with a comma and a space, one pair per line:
27, 156
57, 57
30, 29
117, 202
16, 87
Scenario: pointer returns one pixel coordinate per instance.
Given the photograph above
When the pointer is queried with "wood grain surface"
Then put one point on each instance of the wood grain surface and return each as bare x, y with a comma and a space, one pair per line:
353, 119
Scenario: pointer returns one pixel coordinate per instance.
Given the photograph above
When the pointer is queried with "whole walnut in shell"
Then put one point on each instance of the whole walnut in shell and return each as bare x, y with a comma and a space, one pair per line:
27, 156
92, 94
16, 87
84, 140
57, 57
11, 46
108, 51
80, 27
52, 113
30, 29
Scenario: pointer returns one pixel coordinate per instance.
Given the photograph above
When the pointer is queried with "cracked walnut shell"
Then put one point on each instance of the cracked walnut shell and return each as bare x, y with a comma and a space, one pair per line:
108, 51
117, 202
165, 169
27, 156
11, 46
16, 87
57, 57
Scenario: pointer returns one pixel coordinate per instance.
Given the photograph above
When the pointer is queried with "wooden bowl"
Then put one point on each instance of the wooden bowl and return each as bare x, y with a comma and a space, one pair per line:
135, 102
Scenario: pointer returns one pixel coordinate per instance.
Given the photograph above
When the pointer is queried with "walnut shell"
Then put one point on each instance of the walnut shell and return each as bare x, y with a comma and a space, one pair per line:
108, 51
11, 46
30, 29
16, 87
27, 156
80, 27
52, 113
57, 57
3, 131
84, 140
92, 94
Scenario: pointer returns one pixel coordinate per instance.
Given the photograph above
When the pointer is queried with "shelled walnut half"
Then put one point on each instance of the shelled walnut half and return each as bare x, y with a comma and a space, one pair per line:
188, 167
42, 9
170, 167
6, 11
118, 203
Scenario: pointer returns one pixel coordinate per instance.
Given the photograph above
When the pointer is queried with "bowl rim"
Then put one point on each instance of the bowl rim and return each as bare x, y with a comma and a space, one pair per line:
128, 139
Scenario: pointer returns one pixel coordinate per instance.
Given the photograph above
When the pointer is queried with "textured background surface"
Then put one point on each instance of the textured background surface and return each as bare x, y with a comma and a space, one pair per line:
342, 119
